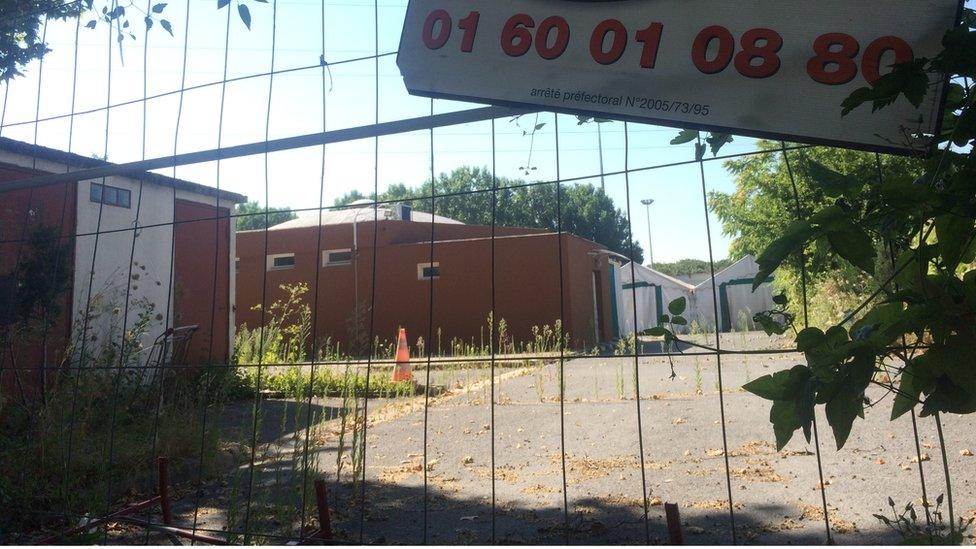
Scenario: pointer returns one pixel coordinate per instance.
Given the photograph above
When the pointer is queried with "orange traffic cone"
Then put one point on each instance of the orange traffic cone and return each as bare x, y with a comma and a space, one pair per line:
402, 370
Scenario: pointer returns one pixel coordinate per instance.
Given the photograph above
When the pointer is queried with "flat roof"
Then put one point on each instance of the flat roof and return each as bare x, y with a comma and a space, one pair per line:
72, 159
355, 213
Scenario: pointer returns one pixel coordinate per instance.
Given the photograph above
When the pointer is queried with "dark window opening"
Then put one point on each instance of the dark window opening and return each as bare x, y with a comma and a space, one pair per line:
110, 196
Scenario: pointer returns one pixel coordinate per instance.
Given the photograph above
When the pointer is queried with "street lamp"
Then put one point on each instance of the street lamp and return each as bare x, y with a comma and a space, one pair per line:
650, 247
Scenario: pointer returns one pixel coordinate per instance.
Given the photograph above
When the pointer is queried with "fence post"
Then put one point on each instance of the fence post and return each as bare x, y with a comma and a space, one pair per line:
675, 536
163, 464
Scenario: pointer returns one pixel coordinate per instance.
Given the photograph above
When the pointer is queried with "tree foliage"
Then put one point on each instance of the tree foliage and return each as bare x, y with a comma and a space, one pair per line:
583, 210
764, 206
21, 33
251, 216
21, 22
915, 336
688, 267
43, 276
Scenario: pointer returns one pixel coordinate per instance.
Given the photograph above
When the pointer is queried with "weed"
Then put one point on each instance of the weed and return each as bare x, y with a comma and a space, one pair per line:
936, 531
698, 377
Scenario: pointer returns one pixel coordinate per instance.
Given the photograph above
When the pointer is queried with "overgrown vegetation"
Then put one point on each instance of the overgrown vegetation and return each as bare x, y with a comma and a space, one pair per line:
105, 418
918, 327
914, 240
764, 205
934, 531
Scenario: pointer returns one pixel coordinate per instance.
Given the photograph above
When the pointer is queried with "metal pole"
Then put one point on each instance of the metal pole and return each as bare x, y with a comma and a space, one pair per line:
650, 246
599, 137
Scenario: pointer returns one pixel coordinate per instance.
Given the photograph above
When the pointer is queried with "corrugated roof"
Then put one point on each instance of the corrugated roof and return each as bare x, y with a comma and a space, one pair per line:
354, 214
76, 160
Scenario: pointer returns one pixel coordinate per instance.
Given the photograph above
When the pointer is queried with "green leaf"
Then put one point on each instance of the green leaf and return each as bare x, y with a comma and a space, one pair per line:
783, 385
955, 234
783, 416
245, 14
965, 127
656, 331
856, 99
700, 150
679, 321
960, 363
678, 306
842, 410
854, 245
718, 140
781, 299
969, 288
831, 218
686, 136
810, 338
770, 387
949, 398
909, 391
847, 402
793, 239
833, 183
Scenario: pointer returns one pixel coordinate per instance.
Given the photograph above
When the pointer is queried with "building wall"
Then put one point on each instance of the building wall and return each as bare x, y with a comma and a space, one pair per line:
104, 289
201, 286
526, 280
53, 207
102, 247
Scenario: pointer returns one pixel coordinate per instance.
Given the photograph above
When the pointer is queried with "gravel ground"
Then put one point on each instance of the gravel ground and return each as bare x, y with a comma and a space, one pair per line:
776, 495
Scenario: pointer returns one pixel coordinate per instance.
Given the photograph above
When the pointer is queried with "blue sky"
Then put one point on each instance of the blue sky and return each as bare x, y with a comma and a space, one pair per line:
677, 217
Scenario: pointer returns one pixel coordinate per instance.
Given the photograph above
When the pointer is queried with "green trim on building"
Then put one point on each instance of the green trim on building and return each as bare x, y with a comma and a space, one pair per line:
723, 294
658, 298
613, 301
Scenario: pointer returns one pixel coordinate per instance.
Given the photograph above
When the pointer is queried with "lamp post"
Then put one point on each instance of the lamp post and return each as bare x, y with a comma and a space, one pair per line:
650, 246
599, 136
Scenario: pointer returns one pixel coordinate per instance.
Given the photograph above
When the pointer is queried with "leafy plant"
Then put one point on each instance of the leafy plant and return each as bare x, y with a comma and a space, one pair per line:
920, 323
934, 531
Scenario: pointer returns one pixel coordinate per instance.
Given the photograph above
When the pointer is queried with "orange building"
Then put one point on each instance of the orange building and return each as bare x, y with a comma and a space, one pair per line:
336, 260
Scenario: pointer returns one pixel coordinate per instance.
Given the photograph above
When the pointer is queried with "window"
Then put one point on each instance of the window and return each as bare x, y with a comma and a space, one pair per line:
281, 262
427, 271
111, 196
335, 258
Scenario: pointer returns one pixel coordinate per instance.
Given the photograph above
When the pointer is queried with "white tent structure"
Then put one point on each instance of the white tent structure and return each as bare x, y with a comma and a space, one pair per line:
737, 303
653, 291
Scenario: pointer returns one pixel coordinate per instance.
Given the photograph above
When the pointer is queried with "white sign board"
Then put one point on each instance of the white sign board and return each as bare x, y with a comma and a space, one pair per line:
766, 68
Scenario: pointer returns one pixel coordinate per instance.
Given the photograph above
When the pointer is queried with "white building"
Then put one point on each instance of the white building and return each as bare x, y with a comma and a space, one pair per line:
653, 291
178, 235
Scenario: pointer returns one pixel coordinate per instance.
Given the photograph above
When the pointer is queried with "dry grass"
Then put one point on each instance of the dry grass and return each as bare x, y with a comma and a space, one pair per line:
539, 489
816, 514
582, 468
760, 472
701, 472
714, 505
395, 475
505, 473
